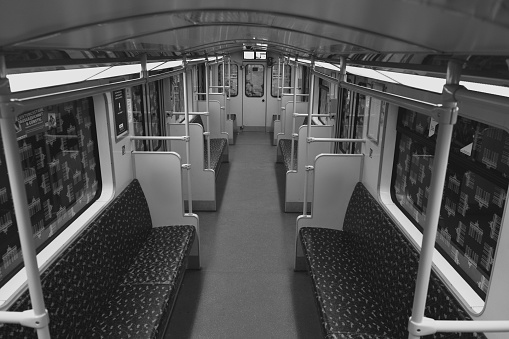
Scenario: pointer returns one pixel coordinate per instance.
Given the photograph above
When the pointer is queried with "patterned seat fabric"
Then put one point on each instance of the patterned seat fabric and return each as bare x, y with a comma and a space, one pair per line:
286, 149
364, 276
217, 147
117, 280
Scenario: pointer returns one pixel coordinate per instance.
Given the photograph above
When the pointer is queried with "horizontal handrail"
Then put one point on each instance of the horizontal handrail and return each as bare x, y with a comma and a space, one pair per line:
195, 62
152, 152
313, 115
209, 93
431, 326
311, 139
141, 137
225, 86
27, 103
463, 94
18, 100
412, 104
184, 113
299, 95
325, 76
179, 70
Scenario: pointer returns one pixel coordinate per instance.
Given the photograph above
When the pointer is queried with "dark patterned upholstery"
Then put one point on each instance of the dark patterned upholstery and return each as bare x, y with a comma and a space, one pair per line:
364, 276
118, 279
217, 147
286, 149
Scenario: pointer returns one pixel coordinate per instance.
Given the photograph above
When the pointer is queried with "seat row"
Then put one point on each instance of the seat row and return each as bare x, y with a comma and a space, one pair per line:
303, 155
363, 275
203, 174
118, 279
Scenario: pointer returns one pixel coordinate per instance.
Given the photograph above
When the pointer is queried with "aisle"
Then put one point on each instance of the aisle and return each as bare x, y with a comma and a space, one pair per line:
247, 287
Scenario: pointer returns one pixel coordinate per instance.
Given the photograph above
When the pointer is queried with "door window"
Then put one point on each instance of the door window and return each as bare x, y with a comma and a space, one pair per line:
255, 81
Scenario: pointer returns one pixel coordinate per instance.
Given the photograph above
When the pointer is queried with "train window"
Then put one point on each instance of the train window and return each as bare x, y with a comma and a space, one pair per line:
154, 106
323, 98
138, 116
474, 194
177, 93
353, 107
60, 161
200, 81
255, 81
233, 91
277, 73
304, 84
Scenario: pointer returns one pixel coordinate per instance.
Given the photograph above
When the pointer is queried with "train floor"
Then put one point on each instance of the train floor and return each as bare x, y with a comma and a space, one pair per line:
247, 287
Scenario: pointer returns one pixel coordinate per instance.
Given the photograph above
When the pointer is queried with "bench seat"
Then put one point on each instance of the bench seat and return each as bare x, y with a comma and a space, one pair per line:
218, 148
118, 279
364, 276
286, 150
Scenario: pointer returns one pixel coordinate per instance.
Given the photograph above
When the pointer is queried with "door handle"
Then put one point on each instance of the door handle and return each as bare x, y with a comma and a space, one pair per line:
263, 100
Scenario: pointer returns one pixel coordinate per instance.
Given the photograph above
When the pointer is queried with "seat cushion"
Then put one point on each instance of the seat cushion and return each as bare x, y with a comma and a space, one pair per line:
162, 256
149, 288
347, 300
132, 311
370, 268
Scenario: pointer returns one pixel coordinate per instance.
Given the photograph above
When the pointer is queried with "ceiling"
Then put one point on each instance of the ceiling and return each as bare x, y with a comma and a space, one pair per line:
365, 31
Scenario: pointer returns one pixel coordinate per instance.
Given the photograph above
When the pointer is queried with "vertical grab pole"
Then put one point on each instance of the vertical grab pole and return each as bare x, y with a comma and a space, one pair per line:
146, 106
19, 197
448, 118
228, 95
280, 90
309, 168
339, 116
207, 78
223, 108
343, 69
279, 79
187, 140
294, 135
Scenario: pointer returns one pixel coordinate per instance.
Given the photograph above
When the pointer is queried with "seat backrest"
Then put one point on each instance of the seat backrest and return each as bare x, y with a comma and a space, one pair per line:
198, 120
391, 263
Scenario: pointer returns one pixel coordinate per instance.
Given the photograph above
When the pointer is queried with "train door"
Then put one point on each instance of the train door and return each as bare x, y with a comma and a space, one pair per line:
254, 104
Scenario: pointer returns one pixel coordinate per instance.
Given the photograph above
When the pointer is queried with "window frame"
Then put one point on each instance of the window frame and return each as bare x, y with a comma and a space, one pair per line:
16, 285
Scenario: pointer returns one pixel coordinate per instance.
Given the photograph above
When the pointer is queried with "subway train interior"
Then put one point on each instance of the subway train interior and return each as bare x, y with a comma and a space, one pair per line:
254, 169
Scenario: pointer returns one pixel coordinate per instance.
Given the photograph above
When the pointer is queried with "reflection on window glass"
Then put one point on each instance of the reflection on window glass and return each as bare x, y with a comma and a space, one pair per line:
154, 113
277, 73
177, 93
201, 77
255, 81
233, 90
352, 123
474, 192
304, 84
138, 116
60, 162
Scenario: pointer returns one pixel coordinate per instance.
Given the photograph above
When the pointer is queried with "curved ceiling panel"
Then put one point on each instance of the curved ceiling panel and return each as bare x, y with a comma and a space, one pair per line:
325, 29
